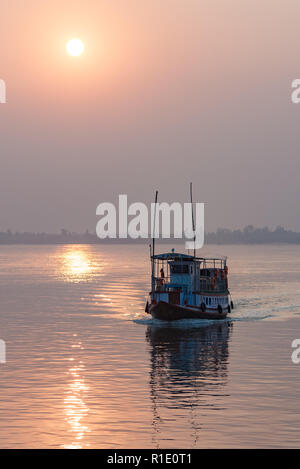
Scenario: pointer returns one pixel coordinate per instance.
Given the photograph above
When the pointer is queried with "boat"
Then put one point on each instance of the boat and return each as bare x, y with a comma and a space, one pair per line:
188, 287
185, 286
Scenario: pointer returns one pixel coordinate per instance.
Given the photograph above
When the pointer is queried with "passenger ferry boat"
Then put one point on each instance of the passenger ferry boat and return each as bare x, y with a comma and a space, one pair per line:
185, 286
188, 287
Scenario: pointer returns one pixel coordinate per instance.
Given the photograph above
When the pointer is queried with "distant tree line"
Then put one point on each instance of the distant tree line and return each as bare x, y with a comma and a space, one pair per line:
249, 235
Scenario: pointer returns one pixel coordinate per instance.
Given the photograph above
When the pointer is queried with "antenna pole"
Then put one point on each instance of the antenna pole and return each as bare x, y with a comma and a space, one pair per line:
193, 221
153, 240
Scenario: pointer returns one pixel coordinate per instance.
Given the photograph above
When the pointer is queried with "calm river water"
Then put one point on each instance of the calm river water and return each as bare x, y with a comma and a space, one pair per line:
87, 368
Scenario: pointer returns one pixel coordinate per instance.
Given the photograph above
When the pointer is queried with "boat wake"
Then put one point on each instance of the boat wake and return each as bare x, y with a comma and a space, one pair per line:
181, 323
246, 309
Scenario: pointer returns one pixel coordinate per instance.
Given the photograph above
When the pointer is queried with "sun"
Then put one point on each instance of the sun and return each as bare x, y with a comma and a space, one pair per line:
75, 47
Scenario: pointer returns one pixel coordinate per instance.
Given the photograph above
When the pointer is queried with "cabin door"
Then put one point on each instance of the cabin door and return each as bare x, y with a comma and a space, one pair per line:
174, 298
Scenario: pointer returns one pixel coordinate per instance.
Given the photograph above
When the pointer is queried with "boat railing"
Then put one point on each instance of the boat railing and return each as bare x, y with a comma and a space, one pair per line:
208, 284
164, 284
202, 284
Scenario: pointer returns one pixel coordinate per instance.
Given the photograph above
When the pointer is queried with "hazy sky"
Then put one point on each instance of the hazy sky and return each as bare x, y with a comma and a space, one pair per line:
167, 92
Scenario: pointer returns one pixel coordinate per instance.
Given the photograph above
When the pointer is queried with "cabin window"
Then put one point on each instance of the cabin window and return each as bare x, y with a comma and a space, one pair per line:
179, 269
205, 272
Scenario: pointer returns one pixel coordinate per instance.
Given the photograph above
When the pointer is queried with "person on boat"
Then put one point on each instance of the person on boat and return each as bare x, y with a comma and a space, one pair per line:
162, 277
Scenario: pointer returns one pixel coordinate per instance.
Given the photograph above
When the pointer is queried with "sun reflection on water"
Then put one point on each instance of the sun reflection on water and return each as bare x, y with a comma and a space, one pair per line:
77, 263
75, 408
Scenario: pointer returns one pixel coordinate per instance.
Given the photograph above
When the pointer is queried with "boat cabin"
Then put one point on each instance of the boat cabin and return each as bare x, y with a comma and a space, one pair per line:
187, 280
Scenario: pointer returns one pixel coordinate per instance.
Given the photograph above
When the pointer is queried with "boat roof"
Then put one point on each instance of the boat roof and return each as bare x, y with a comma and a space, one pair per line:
176, 256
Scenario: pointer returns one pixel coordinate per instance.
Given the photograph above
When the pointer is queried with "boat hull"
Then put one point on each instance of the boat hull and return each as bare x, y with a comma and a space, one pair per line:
172, 312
